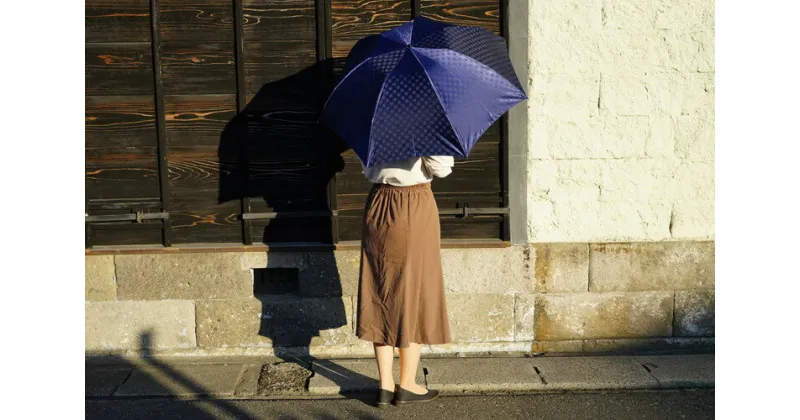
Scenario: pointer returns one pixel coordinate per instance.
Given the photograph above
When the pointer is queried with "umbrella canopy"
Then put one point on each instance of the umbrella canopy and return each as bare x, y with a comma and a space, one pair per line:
425, 88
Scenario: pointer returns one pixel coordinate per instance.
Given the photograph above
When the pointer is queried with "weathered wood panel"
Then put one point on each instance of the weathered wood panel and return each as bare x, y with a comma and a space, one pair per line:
310, 229
483, 13
196, 211
355, 19
117, 20
198, 68
273, 152
271, 61
118, 69
197, 120
120, 121
279, 20
122, 173
484, 227
125, 233
196, 20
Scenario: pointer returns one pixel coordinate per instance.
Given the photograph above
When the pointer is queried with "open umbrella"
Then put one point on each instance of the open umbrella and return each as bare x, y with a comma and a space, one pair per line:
425, 88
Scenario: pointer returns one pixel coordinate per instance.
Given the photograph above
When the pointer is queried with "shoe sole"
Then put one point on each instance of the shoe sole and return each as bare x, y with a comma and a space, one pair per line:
415, 401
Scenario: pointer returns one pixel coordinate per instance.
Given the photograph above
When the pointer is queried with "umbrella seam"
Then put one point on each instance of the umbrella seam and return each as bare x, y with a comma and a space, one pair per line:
482, 64
351, 72
449, 25
439, 97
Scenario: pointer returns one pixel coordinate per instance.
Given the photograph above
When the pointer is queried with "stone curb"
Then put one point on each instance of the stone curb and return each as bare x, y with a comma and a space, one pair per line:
245, 378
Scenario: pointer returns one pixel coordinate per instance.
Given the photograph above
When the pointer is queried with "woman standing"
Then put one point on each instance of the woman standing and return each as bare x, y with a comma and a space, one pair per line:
401, 299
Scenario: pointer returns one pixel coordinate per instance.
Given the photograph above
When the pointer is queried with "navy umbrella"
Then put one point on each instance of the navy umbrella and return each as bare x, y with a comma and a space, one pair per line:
425, 88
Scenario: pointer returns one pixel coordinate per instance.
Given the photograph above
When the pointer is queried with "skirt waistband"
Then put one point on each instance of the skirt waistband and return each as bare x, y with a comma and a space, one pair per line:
389, 187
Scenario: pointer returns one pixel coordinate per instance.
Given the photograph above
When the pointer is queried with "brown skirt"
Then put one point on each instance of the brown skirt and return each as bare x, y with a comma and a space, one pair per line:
401, 287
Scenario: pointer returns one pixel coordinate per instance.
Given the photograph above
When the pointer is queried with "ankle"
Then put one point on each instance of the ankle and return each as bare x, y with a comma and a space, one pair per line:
389, 386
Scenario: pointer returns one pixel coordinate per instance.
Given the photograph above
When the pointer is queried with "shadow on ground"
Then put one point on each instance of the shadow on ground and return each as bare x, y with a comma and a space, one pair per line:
159, 390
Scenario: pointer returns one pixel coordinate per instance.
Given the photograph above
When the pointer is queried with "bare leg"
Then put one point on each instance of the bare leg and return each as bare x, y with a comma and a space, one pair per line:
409, 361
385, 356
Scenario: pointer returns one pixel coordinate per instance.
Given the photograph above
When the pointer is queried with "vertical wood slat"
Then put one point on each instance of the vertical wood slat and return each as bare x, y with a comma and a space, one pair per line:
504, 158
161, 134
416, 8
324, 60
241, 103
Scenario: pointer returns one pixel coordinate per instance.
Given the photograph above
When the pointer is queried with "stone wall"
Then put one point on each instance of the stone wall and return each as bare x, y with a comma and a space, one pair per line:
539, 298
620, 120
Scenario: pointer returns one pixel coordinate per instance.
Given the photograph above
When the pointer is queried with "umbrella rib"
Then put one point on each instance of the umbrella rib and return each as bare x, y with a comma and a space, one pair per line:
346, 76
436, 92
473, 59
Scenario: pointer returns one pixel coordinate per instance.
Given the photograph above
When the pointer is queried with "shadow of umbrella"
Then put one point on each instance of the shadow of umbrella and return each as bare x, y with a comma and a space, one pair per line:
275, 156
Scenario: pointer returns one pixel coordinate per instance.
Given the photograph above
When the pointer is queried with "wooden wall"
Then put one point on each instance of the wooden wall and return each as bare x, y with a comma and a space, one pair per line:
206, 109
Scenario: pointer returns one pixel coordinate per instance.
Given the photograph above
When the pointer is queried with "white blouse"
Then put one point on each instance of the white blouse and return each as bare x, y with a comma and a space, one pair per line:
404, 173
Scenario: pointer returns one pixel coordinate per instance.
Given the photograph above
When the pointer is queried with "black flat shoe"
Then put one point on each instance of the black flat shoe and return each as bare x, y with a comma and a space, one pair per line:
384, 398
404, 396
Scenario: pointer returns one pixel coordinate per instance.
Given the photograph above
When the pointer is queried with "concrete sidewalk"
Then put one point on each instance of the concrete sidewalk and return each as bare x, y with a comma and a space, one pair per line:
254, 378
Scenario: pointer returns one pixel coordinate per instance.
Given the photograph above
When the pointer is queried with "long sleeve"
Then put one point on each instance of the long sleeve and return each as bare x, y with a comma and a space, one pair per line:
439, 166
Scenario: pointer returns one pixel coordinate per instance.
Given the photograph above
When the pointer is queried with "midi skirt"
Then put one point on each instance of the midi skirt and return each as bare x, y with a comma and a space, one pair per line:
401, 286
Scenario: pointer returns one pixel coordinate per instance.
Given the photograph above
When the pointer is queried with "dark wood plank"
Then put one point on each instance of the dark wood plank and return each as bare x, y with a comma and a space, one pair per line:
196, 20
198, 68
117, 20
103, 206
197, 119
197, 213
279, 20
126, 233
118, 69
122, 173
313, 229
355, 19
120, 121
484, 227
271, 61
483, 13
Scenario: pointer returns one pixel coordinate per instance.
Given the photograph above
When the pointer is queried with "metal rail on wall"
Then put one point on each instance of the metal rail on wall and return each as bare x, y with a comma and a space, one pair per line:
141, 216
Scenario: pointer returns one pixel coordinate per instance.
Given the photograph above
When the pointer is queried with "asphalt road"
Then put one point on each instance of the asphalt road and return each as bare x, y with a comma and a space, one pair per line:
649, 405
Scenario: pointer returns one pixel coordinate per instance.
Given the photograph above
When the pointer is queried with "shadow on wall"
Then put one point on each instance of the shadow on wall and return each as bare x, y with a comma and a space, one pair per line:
112, 381
275, 157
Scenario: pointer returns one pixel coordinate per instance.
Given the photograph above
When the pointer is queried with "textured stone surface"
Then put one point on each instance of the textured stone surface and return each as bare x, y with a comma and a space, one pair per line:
524, 310
624, 345
694, 313
640, 345
334, 376
279, 321
494, 270
99, 282
691, 217
132, 325
490, 374
481, 318
651, 266
628, 86
159, 379
681, 371
182, 276
562, 268
593, 373
320, 273
603, 315
283, 378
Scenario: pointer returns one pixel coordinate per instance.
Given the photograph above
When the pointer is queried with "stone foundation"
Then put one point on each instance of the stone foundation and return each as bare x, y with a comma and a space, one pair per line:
541, 298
